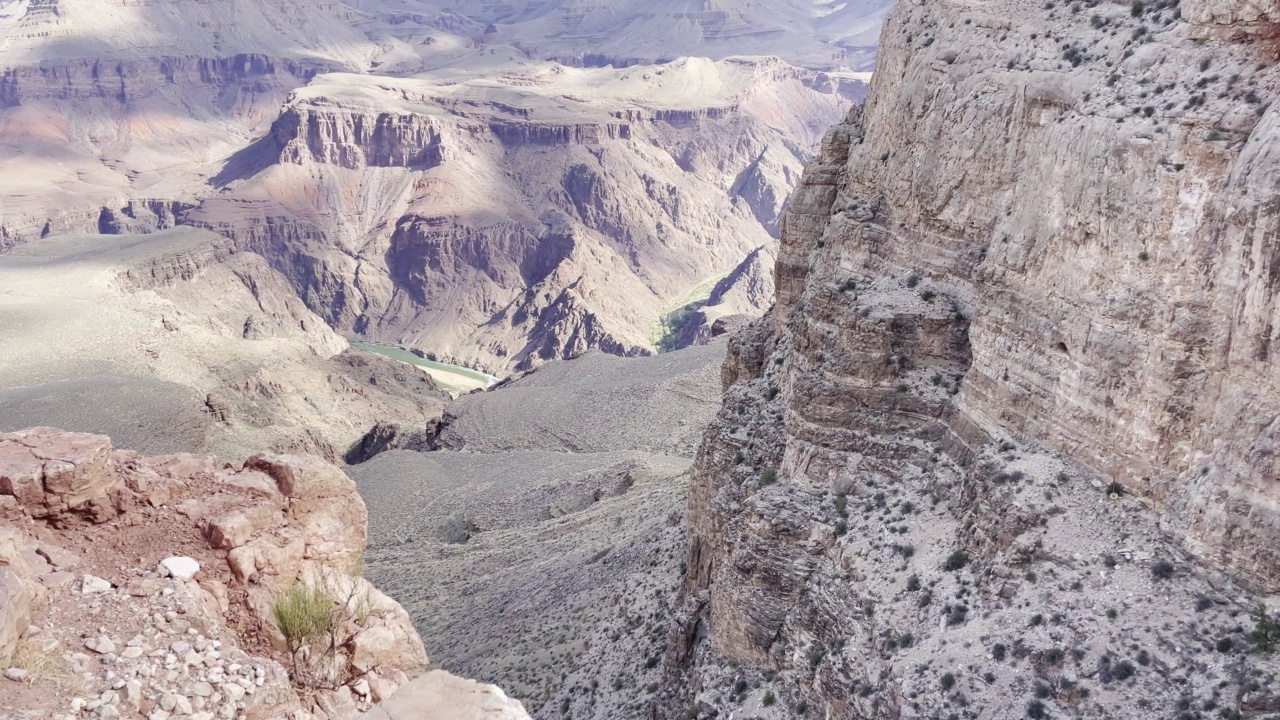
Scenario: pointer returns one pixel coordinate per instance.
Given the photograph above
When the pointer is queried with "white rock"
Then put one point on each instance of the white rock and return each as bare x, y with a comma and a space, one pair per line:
158, 714
234, 692
101, 645
168, 702
133, 693
180, 568
361, 687
91, 584
203, 689
16, 674
131, 653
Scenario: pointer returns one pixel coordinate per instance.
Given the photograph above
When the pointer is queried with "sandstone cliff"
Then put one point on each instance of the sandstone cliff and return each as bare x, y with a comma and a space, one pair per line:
1005, 442
139, 586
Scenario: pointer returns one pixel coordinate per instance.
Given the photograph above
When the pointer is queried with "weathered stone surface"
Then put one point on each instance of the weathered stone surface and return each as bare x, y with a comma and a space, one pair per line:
322, 502
1023, 330
51, 472
441, 696
236, 528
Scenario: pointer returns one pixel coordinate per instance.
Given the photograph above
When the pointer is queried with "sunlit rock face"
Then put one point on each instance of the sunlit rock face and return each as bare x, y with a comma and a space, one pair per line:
1010, 421
423, 178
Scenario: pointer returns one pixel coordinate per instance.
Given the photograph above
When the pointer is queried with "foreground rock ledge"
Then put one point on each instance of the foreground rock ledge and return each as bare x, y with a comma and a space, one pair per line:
92, 623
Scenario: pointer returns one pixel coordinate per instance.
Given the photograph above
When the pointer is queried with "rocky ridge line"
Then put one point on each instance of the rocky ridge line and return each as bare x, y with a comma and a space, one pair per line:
140, 587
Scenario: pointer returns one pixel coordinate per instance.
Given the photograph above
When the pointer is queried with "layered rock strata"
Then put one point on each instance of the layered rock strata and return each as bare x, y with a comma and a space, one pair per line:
1002, 446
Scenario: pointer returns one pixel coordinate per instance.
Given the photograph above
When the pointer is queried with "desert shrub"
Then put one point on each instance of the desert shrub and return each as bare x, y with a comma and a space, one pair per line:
769, 699
948, 681
1266, 630
768, 477
955, 561
999, 652
318, 620
1162, 570
913, 583
303, 615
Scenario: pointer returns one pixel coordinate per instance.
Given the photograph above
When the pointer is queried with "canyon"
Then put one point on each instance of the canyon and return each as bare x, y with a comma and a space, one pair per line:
425, 175
978, 422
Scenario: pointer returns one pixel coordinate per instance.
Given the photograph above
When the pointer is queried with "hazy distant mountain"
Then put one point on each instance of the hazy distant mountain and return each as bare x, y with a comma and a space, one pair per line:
838, 33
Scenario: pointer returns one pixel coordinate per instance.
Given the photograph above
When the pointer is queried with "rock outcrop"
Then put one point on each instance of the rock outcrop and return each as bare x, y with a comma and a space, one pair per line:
1004, 442
151, 587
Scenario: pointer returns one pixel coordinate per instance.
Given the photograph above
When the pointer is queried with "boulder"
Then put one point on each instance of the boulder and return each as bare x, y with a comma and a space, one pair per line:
52, 472
323, 504
238, 527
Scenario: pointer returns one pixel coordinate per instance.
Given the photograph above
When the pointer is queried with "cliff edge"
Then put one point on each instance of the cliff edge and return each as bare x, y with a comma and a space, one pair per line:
1006, 445
175, 586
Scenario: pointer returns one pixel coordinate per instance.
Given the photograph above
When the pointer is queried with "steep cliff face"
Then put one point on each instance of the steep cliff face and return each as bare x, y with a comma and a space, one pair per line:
1021, 348
505, 221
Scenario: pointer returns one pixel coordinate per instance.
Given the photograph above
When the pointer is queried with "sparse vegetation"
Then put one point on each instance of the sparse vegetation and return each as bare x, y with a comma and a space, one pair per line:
1266, 629
1162, 570
955, 561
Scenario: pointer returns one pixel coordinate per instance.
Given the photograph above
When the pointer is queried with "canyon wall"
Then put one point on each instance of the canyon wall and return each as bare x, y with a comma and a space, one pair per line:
501, 223
1021, 348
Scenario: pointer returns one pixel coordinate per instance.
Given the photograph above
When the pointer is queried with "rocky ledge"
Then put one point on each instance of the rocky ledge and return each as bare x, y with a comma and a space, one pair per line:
157, 587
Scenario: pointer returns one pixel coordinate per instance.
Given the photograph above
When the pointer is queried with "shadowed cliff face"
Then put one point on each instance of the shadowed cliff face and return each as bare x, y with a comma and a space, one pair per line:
1012, 414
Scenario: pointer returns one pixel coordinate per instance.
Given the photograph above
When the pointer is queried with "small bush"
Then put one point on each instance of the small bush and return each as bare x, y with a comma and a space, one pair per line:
1123, 670
948, 681
1225, 645
1266, 630
768, 477
913, 583
1036, 711
999, 652
303, 615
955, 561
769, 699
1162, 570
